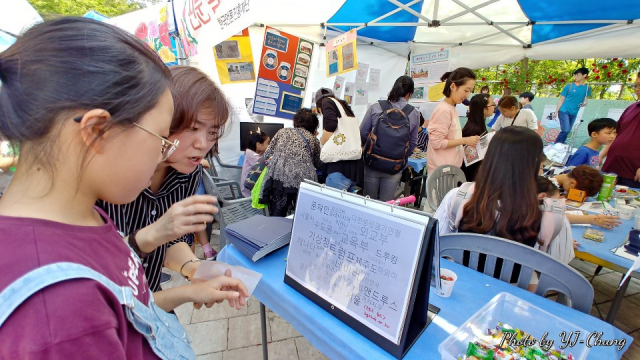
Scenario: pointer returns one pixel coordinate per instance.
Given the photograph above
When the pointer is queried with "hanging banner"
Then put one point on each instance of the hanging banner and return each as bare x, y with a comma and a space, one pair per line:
282, 74
151, 26
210, 22
234, 59
341, 53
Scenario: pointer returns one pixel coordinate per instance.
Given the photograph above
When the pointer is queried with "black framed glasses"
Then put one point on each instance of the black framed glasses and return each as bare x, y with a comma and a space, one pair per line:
167, 147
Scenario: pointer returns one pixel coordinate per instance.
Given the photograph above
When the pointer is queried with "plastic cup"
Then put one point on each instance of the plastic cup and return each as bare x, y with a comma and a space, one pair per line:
626, 211
446, 285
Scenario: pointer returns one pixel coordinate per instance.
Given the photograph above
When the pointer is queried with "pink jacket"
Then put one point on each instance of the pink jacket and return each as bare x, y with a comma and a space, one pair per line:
444, 125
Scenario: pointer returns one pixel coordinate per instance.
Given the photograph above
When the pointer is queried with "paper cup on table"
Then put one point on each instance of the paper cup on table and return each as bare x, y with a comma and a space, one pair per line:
620, 202
626, 211
446, 285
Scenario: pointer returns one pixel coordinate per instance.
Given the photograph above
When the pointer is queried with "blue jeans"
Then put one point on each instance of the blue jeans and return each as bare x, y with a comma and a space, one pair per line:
566, 123
338, 181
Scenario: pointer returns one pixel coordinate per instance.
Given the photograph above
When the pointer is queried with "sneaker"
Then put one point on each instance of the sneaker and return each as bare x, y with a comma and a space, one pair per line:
164, 278
210, 255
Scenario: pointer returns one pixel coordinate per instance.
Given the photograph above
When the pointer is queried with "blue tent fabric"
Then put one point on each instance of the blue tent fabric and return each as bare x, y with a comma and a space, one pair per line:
5, 40
362, 11
566, 10
356, 11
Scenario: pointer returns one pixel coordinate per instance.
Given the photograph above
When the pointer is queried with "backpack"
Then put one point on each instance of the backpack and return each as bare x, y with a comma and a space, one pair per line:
550, 226
387, 146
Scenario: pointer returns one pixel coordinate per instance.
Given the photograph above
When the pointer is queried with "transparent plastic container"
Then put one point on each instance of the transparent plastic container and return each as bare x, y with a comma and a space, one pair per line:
511, 310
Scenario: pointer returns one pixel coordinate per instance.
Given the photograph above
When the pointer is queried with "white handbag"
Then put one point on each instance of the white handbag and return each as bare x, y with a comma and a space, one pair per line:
345, 142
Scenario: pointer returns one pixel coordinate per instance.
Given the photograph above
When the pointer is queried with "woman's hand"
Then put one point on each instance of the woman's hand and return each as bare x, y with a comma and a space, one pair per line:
217, 290
471, 140
575, 245
184, 217
604, 221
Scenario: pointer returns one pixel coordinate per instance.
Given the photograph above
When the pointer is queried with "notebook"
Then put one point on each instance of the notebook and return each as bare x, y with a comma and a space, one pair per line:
259, 235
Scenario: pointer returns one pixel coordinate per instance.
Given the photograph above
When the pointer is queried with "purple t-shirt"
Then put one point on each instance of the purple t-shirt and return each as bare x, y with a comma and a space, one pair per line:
74, 319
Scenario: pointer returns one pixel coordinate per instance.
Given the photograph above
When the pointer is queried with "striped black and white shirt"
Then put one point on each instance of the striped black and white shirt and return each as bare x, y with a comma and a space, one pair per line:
147, 208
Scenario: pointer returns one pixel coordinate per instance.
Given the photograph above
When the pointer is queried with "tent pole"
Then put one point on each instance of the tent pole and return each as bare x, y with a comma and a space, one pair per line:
490, 22
468, 11
385, 15
494, 34
588, 32
409, 10
436, 5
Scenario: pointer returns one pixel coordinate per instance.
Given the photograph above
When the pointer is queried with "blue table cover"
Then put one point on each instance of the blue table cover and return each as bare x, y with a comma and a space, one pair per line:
338, 341
612, 238
417, 164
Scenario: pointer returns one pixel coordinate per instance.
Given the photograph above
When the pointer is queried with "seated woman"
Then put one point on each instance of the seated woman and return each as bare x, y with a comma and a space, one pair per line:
292, 156
257, 144
505, 199
167, 214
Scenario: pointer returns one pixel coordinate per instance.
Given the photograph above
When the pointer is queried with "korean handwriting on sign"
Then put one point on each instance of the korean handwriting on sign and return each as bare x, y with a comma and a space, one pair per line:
234, 14
199, 12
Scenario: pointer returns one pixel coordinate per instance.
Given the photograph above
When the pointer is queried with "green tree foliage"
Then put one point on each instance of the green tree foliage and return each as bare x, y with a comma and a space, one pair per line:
610, 78
52, 8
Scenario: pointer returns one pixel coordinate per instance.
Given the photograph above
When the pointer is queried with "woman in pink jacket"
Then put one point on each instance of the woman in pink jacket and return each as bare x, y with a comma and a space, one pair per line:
445, 132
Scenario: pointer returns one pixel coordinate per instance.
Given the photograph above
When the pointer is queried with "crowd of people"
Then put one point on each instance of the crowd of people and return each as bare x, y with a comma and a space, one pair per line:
92, 189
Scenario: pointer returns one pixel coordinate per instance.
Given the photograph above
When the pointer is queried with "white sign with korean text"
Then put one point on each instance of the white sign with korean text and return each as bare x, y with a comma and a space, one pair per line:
359, 257
210, 22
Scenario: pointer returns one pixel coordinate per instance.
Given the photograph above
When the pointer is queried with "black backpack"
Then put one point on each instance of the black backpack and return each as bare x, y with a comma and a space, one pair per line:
387, 145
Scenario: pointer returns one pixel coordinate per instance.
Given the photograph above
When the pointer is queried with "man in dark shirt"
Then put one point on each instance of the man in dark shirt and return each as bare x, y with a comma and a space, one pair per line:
623, 157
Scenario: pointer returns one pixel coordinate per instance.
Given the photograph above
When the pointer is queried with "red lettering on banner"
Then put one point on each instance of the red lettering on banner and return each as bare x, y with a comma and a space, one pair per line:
196, 15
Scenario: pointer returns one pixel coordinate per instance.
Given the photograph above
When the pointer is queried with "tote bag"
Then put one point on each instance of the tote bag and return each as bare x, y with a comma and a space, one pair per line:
345, 142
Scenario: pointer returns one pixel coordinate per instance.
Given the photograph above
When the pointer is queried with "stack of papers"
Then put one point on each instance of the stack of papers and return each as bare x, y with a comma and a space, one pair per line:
259, 235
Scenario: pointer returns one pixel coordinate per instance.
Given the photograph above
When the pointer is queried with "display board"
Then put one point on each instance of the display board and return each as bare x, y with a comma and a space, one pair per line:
234, 59
363, 260
341, 53
282, 74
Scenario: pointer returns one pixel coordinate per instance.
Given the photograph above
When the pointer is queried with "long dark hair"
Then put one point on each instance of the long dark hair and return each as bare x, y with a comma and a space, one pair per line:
476, 121
506, 185
59, 68
402, 87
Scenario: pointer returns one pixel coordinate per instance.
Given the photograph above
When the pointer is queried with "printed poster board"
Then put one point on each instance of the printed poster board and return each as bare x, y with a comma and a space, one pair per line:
367, 263
282, 75
341, 53
429, 67
234, 59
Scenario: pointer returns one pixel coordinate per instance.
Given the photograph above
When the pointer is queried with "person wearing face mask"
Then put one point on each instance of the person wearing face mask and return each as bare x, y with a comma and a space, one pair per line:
445, 132
512, 115
165, 215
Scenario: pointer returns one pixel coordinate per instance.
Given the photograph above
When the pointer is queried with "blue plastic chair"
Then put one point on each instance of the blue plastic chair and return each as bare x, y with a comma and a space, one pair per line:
575, 291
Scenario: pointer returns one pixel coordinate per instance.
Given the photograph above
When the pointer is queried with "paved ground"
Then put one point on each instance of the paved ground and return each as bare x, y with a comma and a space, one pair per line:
225, 333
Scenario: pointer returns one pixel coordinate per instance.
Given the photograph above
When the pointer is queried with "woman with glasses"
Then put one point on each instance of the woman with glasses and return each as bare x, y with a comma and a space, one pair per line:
90, 126
481, 106
167, 214
623, 155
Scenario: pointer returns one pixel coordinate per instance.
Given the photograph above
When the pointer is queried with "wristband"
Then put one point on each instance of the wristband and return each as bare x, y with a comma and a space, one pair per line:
183, 265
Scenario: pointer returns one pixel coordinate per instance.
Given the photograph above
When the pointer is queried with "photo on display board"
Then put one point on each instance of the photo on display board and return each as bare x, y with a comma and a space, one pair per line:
241, 71
333, 61
418, 93
347, 56
291, 103
348, 99
419, 71
306, 47
228, 50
